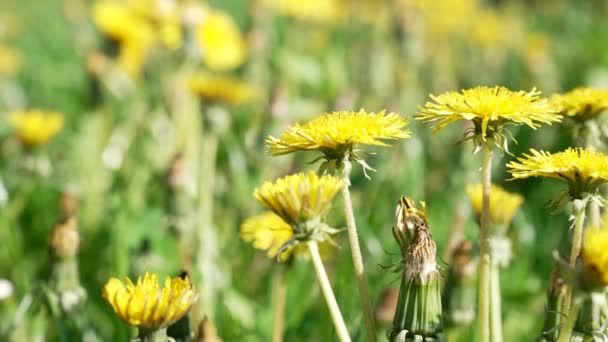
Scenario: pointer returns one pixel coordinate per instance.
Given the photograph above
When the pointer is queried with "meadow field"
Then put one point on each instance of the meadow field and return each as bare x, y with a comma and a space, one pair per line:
134, 134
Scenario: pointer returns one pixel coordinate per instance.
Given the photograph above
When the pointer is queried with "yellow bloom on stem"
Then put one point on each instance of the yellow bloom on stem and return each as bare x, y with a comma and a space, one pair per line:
584, 170
311, 10
339, 131
147, 304
583, 102
503, 204
300, 197
221, 88
35, 127
221, 41
595, 258
489, 109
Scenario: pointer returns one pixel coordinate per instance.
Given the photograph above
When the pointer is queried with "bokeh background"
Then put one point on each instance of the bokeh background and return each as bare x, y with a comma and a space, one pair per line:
148, 156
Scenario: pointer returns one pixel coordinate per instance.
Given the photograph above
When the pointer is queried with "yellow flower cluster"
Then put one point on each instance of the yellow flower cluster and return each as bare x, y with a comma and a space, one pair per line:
595, 257
573, 164
503, 204
337, 130
148, 305
221, 88
488, 107
300, 197
222, 44
311, 10
136, 26
35, 127
581, 102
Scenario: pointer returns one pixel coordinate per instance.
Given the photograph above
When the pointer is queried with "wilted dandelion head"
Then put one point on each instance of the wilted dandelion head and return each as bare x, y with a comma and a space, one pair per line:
490, 109
584, 170
222, 89
300, 197
582, 102
595, 258
270, 233
338, 134
35, 127
147, 304
503, 204
311, 10
221, 42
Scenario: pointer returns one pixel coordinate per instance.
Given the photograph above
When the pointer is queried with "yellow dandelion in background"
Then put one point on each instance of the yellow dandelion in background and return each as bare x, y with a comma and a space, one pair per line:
503, 204
595, 258
270, 233
300, 197
311, 10
221, 41
35, 127
335, 132
489, 109
221, 88
10, 60
583, 102
584, 170
147, 304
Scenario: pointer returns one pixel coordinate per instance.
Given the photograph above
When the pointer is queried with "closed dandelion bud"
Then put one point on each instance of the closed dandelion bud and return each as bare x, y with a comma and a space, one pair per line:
553, 311
65, 239
418, 316
407, 219
69, 203
459, 295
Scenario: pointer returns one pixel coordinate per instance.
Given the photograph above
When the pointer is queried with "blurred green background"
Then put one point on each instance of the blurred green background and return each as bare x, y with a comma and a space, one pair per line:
117, 150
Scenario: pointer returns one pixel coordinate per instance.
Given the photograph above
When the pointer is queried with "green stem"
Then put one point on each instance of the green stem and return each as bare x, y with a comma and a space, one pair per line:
355, 248
495, 305
565, 333
595, 214
328, 293
483, 307
280, 299
579, 206
152, 335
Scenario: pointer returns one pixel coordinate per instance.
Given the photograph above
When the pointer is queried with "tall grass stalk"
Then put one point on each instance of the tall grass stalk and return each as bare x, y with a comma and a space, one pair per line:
355, 248
328, 293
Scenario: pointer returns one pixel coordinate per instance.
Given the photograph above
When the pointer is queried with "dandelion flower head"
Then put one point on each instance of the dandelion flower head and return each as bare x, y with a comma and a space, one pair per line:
220, 39
489, 109
583, 102
221, 88
595, 257
148, 304
319, 11
583, 169
35, 127
503, 204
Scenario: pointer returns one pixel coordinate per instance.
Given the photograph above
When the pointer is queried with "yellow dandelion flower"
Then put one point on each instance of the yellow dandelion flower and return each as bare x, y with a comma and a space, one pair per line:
35, 127
300, 197
503, 204
489, 109
10, 60
338, 132
584, 170
583, 102
311, 10
595, 258
147, 304
270, 233
221, 88
221, 41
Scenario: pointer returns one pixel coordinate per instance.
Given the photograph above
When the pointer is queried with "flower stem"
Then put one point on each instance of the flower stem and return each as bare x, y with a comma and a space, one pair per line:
495, 305
280, 296
152, 335
483, 308
366, 304
577, 238
328, 293
565, 332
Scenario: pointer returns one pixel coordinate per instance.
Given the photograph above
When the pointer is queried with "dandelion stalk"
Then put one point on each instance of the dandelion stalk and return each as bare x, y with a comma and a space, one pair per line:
280, 299
355, 248
483, 308
565, 333
495, 305
328, 293
152, 335
577, 239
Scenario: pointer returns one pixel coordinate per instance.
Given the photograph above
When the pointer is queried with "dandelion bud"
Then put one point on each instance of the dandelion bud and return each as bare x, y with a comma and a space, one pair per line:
407, 219
553, 312
64, 239
418, 316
